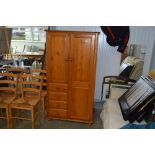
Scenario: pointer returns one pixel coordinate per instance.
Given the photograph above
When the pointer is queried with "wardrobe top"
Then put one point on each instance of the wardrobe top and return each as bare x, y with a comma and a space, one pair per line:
71, 31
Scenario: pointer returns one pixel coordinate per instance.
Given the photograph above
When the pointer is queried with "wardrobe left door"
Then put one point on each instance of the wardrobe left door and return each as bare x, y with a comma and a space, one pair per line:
57, 73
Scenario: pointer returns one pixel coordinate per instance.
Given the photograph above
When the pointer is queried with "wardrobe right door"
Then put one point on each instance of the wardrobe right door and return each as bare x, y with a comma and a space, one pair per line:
82, 60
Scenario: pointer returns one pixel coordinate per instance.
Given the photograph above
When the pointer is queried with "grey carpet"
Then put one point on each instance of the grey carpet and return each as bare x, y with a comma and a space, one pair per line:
59, 124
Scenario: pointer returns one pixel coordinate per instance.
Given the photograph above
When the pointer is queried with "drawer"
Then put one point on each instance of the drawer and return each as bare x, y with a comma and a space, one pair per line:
57, 104
57, 87
58, 96
57, 113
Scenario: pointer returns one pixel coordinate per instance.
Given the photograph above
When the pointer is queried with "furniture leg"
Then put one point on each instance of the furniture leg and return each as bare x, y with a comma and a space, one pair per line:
8, 120
43, 106
33, 118
39, 116
11, 120
102, 91
9, 111
108, 92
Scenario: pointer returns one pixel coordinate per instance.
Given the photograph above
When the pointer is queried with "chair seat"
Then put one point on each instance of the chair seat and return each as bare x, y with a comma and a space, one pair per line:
8, 91
25, 103
5, 100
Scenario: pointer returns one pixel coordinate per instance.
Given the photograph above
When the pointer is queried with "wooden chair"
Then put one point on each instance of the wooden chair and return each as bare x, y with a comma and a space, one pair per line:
28, 104
17, 70
8, 92
44, 88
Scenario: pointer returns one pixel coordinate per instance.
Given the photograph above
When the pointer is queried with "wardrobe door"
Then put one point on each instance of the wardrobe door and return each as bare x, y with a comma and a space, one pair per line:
57, 77
82, 59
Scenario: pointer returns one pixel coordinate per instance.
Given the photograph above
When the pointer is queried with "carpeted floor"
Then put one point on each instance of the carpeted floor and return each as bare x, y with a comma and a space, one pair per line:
58, 124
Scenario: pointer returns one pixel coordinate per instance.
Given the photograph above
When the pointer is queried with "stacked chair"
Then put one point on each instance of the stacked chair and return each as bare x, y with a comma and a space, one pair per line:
44, 90
26, 106
17, 70
8, 92
21, 95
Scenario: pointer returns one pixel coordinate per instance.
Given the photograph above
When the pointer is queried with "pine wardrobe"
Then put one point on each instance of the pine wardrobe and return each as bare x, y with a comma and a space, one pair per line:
71, 65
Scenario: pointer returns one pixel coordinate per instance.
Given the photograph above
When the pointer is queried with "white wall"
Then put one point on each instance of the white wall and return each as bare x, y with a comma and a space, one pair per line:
153, 58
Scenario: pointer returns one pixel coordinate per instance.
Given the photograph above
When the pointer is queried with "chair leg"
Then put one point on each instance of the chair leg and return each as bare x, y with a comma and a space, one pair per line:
43, 106
8, 118
102, 91
33, 117
109, 91
38, 115
11, 119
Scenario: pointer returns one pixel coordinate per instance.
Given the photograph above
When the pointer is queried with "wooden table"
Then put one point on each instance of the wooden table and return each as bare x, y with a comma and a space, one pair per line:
35, 55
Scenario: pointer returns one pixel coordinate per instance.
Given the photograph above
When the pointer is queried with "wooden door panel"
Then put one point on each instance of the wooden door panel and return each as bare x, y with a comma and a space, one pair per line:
81, 73
57, 53
80, 84
80, 55
79, 104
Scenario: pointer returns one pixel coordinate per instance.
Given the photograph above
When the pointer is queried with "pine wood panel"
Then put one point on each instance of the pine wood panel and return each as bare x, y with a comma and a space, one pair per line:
57, 113
58, 87
57, 54
79, 108
57, 104
80, 74
80, 55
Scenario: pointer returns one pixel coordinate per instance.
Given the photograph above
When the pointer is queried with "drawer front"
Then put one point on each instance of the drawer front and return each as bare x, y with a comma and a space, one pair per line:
58, 96
57, 104
57, 113
57, 87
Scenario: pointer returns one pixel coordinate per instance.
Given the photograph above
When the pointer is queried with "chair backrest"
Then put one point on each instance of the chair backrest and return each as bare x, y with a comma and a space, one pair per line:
8, 84
42, 73
31, 85
17, 70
